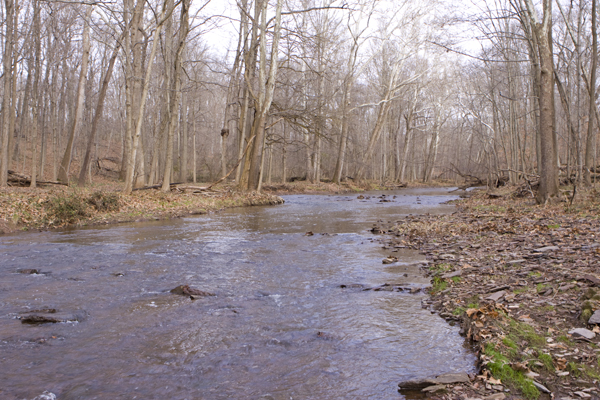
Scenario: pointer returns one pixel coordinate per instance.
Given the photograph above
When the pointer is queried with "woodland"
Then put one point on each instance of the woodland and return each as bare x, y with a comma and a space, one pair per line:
149, 93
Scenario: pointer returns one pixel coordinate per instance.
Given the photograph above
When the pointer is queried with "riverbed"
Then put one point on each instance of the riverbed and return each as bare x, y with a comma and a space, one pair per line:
280, 326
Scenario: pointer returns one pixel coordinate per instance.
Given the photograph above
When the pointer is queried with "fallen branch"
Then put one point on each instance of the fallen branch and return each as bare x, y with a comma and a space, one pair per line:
157, 186
520, 172
235, 166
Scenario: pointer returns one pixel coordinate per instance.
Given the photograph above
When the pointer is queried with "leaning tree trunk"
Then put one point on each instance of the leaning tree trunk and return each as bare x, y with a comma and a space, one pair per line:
97, 115
140, 112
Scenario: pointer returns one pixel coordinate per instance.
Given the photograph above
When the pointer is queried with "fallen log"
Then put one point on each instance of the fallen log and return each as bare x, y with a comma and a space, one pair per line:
157, 186
25, 180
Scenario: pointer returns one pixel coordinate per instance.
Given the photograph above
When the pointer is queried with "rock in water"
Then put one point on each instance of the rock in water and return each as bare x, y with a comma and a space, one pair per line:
28, 271
39, 319
53, 318
444, 379
433, 389
185, 290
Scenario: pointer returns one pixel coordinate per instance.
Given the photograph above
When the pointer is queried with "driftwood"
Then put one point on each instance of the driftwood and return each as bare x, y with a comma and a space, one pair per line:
471, 180
157, 186
175, 186
16, 179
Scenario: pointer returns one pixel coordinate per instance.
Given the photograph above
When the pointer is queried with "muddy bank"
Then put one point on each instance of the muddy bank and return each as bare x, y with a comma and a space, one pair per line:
522, 281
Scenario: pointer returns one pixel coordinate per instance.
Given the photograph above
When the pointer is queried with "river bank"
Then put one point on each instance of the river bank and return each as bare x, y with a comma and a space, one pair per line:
23, 208
522, 280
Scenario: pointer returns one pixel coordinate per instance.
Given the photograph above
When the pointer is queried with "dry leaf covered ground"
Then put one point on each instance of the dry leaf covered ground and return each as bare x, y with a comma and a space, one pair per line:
523, 281
25, 208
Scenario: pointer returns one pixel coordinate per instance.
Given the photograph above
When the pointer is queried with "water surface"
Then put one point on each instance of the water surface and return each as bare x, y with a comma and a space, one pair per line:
258, 338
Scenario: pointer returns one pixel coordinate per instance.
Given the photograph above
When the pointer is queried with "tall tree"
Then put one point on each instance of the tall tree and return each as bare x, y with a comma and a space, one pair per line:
263, 94
63, 172
548, 157
7, 99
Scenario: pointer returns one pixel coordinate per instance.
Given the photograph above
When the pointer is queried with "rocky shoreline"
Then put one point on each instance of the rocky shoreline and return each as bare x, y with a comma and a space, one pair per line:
522, 281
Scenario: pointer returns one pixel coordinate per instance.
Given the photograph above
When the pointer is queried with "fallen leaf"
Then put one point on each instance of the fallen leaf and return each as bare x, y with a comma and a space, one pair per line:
471, 311
494, 381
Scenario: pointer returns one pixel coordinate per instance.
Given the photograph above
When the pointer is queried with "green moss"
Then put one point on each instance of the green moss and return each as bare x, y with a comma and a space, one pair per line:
590, 293
440, 268
456, 279
525, 332
500, 369
573, 368
586, 314
458, 311
564, 338
512, 348
546, 359
439, 284
541, 287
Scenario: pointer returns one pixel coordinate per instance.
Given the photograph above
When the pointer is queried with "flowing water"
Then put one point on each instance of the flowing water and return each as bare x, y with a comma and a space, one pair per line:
258, 338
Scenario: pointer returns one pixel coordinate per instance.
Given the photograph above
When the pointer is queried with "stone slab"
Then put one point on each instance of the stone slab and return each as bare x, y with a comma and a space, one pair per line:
582, 332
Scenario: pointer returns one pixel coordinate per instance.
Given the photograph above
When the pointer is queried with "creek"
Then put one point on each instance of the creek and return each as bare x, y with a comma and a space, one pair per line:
279, 326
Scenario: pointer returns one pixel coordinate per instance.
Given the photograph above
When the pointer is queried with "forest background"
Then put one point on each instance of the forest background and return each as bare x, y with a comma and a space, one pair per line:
150, 93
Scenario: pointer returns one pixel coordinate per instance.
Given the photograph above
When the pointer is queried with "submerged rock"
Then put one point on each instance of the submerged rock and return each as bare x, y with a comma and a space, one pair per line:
51, 317
352, 286
28, 271
444, 379
185, 290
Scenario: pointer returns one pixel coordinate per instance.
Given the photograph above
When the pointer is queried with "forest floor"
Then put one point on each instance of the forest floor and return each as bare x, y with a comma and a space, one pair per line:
522, 280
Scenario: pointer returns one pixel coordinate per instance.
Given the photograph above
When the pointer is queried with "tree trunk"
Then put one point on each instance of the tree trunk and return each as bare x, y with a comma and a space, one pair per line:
97, 115
175, 99
265, 95
63, 172
589, 143
36, 96
140, 112
7, 101
548, 167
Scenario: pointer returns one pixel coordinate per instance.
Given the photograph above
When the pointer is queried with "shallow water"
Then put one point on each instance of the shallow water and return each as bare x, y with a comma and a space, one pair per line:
275, 287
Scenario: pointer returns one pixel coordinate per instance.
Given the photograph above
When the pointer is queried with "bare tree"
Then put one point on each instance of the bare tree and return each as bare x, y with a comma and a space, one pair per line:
63, 172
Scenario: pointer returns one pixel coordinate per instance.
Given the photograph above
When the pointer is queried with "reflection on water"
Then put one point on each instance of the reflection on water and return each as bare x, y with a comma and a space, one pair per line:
276, 288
